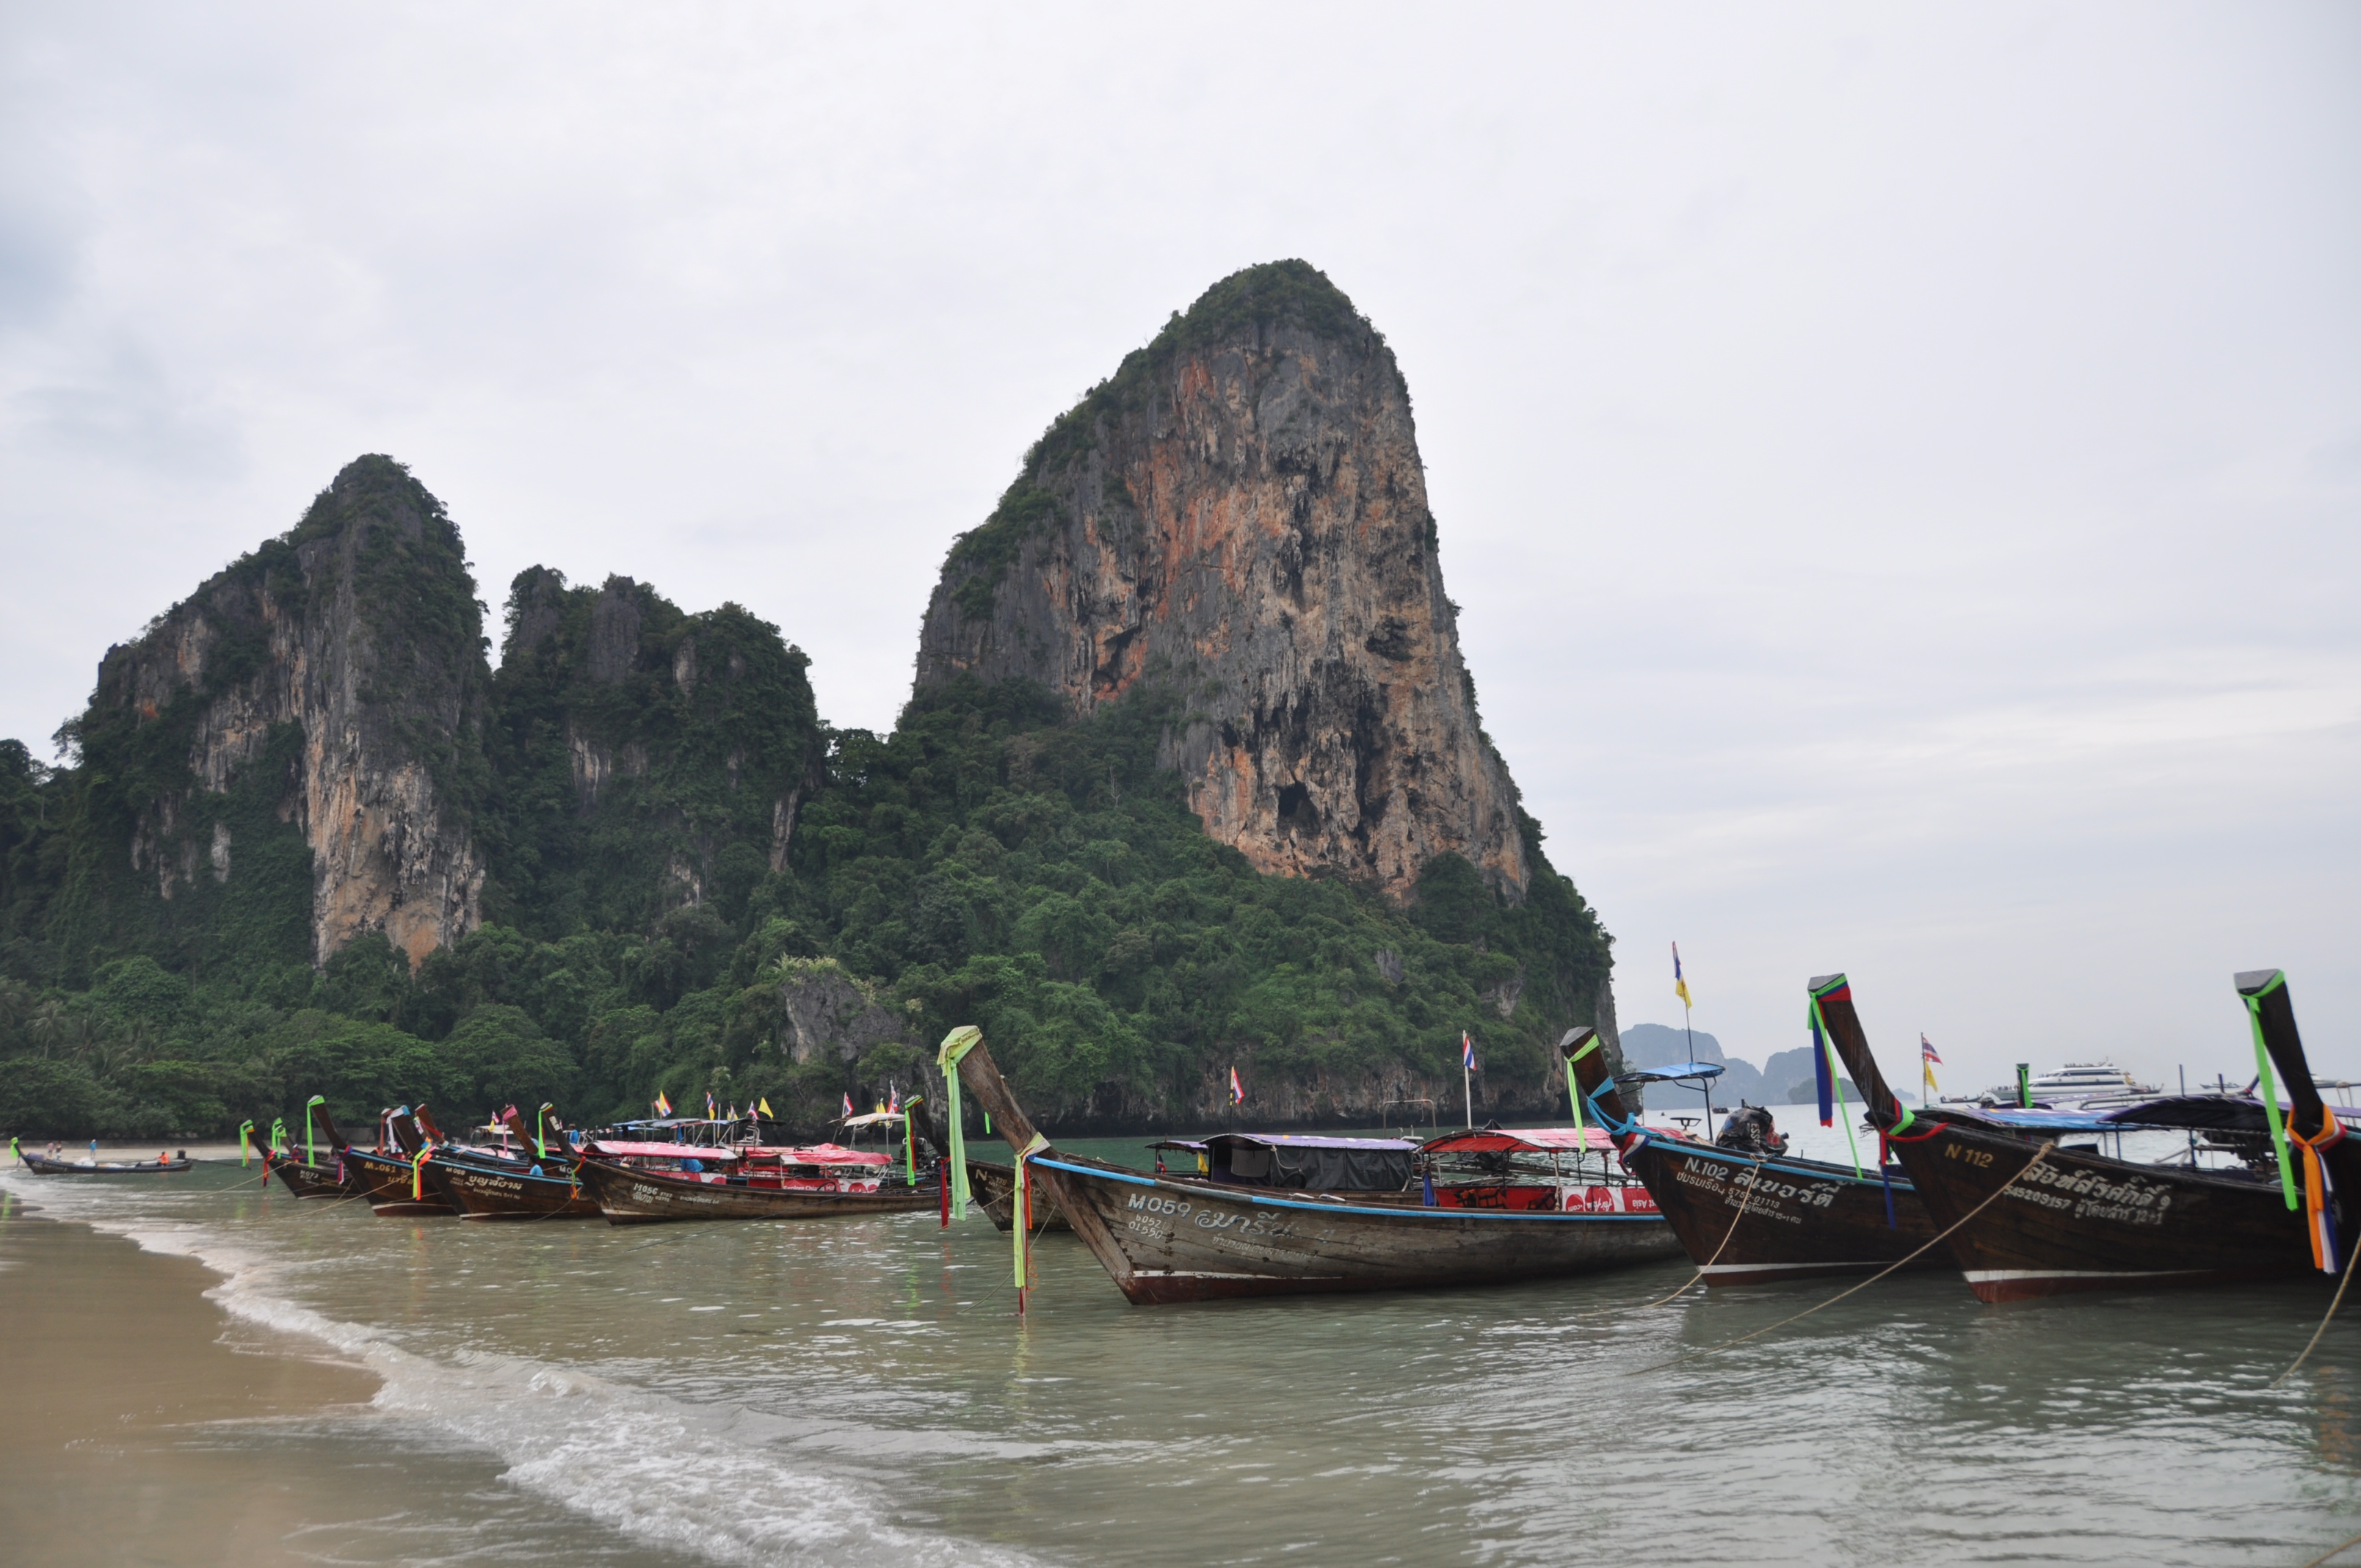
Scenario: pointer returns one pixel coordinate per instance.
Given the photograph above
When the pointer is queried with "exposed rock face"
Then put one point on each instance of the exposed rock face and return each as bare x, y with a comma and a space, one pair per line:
649, 759
825, 1013
359, 628
1241, 512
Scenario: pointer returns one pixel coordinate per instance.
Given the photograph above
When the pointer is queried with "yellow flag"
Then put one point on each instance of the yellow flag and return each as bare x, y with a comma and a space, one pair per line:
764, 1106
1680, 981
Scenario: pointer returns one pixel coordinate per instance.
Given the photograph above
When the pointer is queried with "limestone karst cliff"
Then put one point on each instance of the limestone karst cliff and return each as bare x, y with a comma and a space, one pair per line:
1240, 512
322, 695
646, 759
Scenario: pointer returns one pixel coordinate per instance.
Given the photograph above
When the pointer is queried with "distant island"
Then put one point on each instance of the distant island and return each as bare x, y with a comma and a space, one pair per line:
1785, 1079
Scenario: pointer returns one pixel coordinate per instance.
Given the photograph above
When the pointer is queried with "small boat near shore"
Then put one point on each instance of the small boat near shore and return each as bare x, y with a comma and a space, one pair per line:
2039, 1220
1750, 1216
1162, 1240
646, 1183
42, 1165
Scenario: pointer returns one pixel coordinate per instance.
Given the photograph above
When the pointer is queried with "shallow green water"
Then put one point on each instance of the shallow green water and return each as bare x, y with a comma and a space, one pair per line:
855, 1391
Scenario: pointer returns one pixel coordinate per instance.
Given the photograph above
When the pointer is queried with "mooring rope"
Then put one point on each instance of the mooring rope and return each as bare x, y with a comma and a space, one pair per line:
2333, 1551
2313, 1344
2038, 1156
1744, 1199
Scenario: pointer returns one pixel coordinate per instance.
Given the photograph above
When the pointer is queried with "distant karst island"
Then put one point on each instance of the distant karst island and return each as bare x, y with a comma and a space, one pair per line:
1192, 777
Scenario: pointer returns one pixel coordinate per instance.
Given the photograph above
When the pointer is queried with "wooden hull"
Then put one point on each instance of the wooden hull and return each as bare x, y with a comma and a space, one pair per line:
994, 1188
1804, 1219
385, 1181
1165, 1240
2082, 1221
42, 1165
331, 1180
487, 1191
630, 1197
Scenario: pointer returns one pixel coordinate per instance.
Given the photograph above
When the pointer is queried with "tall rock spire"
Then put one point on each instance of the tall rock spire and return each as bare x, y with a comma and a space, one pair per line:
1240, 512
320, 697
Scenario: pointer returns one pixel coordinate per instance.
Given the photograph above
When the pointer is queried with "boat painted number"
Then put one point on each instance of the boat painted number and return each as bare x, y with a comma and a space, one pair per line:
1157, 1204
1973, 1156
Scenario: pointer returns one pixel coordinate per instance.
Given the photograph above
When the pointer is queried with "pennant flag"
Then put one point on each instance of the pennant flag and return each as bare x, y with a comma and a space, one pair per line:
1238, 1090
763, 1105
664, 1106
1466, 1052
708, 1105
1680, 981
1929, 1059
848, 1107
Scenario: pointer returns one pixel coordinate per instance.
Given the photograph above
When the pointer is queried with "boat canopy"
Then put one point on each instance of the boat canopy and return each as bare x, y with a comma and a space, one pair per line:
1307, 1164
1522, 1140
874, 1119
1674, 1073
1187, 1144
820, 1154
605, 1148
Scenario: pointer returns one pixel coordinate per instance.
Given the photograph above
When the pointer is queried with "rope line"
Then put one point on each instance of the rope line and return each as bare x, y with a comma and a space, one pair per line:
2333, 1551
2038, 1156
2313, 1344
1744, 1199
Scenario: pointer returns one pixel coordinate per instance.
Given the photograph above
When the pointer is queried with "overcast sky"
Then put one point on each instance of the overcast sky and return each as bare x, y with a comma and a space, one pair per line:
1900, 465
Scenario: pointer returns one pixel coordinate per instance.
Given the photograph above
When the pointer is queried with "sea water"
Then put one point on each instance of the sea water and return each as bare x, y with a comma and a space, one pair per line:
861, 1391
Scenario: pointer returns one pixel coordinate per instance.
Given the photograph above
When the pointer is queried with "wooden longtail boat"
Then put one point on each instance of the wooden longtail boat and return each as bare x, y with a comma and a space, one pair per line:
329, 1179
42, 1165
386, 1177
487, 1189
1804, 1219
994, 1188
1164, 1241
2082, 1221
333, 1179
638, 1193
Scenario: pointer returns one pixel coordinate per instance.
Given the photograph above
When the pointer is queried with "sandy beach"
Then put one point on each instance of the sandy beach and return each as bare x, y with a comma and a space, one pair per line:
118, 1370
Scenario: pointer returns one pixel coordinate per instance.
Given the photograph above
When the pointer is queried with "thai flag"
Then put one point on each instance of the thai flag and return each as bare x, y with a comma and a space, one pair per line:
664, 1106
893, 1101
1238, 1090
848, 1107
1466, 1052
1926, 1051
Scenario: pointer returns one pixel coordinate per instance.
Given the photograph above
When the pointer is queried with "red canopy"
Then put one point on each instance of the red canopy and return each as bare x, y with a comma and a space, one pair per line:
821, 1153
1524, 1140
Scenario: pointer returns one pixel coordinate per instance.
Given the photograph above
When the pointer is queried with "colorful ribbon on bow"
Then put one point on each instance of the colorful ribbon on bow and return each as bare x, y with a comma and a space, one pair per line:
956, 1043
2319, 1193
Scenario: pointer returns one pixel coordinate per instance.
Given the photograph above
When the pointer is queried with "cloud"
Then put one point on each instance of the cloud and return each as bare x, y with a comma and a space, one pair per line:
1899, 467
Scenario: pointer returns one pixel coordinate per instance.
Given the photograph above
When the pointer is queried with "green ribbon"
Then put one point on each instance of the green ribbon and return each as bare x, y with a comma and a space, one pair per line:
245, 1151
540, 1121
311, 1149
2270, 1090
1020, 1204
956, 1043
1571, 1092
910, 1140
1836, 1084
278, 1132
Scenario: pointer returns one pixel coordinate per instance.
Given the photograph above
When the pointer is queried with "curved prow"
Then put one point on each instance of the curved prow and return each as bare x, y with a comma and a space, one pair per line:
426, 1125
327, 1125
981, 1076
406, 1138
1832, 998
2266, 992
1586, 1062
513, 1120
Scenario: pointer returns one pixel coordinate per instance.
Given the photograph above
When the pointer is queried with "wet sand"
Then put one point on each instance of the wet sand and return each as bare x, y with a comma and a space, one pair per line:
118, 1374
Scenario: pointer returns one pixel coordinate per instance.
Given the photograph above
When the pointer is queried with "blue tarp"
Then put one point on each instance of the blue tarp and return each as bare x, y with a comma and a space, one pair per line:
1674, 1073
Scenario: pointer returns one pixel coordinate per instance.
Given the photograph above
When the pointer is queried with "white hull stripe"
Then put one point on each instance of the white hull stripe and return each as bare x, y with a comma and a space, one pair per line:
1995, 1275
